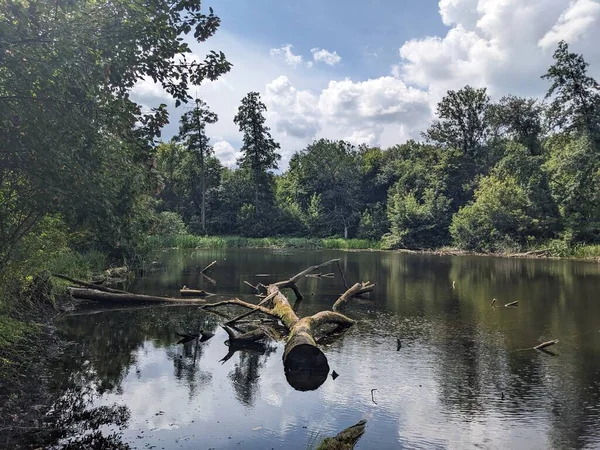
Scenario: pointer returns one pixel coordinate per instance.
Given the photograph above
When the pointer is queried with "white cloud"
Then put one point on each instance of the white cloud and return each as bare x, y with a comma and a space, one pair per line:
356, 111
226, 153
325, 56
285, 52
572, 23
505, 45
293, 111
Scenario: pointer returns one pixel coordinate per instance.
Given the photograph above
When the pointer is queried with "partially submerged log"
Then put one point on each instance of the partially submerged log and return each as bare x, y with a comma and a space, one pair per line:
187, 292
305, 365
543, 345
96, 295
238, 339
346, 439
357, 289
89, 285
208, 267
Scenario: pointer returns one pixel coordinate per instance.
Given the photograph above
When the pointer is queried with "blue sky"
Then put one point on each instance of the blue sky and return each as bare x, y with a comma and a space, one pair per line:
356, 30
373, 72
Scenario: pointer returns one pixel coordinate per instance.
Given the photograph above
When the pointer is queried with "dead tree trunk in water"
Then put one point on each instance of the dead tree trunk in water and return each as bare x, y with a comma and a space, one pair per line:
305, 365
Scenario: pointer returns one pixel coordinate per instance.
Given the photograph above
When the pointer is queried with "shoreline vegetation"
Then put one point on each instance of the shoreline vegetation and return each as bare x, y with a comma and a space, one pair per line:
552, 250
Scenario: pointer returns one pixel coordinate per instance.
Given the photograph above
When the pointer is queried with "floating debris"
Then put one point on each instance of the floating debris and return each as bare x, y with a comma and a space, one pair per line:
546, 344
334, 374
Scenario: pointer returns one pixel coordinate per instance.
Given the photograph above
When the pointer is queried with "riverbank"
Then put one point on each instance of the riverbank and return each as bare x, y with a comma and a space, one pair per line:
222, 242
551, 250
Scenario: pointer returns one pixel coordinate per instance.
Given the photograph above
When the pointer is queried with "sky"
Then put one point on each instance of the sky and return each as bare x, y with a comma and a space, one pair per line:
373, 72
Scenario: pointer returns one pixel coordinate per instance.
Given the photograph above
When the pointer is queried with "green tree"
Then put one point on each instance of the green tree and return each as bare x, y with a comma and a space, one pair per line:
416, 220
574, 172
496, 220
518, 119
326, 176
462, 121
192, 133
65, 111
462, 130
575, 96
259, 149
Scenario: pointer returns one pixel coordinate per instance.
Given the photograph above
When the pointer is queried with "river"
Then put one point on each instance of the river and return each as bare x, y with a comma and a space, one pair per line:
464, 377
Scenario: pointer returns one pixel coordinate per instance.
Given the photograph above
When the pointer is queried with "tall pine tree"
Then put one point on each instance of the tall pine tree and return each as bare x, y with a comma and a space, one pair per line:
259, 149
192, 133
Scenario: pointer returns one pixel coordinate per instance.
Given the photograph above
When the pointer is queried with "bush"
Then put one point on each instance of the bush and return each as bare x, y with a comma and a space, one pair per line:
169, 224
416, 221
496, 221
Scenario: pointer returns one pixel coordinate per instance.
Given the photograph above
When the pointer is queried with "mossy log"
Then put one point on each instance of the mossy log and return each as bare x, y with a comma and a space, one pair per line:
345, 439
305, 364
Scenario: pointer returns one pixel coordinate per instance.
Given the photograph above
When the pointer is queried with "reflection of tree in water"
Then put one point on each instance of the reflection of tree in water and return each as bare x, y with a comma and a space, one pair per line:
103, 349
246, 373
73, 424
186, 361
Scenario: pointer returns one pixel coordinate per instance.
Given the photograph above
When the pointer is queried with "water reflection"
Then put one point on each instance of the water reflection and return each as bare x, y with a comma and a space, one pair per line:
464, 376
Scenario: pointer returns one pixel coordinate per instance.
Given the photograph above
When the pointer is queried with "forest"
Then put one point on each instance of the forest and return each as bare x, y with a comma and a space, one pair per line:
83, 167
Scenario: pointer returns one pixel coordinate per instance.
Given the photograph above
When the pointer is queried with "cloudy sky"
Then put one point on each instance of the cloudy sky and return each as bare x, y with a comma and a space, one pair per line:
372, 72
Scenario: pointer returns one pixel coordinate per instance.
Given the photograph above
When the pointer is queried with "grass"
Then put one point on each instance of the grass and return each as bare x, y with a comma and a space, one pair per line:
78, 265
222, 242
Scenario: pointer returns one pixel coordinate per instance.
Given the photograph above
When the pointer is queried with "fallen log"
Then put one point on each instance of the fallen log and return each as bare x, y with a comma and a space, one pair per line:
238, 339
305, 365
346, 439
208, 267
89, 285
186, 292
357, 289
100, 296
209, 279
546, 344
252, 311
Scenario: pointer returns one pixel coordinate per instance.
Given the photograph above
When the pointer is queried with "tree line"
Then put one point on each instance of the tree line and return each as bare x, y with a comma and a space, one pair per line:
82, 165
487, 176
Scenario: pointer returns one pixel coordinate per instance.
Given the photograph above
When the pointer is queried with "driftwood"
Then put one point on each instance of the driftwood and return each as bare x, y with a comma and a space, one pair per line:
543, 345
305, 365
357, 289
515, 303
320, 275
252, 311
346, 439
208, 267
94, 294
238, 339
186, 292
209, 279
89, 285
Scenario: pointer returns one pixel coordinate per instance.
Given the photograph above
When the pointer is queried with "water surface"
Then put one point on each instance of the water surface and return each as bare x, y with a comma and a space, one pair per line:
465, 377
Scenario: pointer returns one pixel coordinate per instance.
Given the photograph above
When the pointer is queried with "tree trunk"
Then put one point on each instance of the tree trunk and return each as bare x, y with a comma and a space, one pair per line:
203, 190
345, 439
305, 365
92, 294
90, 285
357, 289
